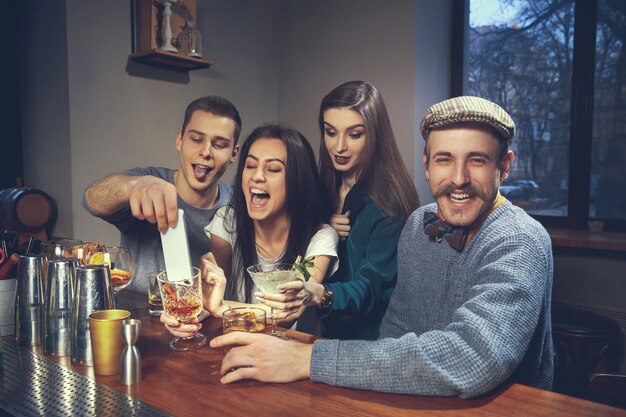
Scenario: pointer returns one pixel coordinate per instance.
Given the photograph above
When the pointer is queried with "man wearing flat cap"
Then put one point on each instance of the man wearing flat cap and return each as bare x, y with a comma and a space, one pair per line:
471, 308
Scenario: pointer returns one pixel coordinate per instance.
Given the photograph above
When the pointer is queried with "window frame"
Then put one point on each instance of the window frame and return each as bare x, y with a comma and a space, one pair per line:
581, 133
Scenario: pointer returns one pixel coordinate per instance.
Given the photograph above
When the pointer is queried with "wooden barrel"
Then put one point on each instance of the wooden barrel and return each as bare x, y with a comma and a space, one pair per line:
26, 209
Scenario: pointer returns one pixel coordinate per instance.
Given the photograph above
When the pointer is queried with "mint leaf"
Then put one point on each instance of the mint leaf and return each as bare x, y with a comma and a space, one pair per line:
302, 267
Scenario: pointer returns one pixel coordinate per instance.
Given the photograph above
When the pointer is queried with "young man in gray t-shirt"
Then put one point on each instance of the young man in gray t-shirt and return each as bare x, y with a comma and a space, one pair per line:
141, 202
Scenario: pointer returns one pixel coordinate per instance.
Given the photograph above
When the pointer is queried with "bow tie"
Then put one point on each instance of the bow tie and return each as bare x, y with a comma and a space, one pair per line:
437, 229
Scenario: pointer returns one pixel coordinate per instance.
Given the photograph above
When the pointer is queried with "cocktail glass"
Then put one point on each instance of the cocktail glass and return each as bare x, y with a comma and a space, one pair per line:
268, 278
85, 251
182, 301
60, 248
121, 263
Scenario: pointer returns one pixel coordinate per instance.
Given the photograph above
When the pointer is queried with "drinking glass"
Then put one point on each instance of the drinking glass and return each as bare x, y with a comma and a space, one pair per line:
268, 278
85, 252
121, 263
182, 301
60, 248
243, 319
155, 305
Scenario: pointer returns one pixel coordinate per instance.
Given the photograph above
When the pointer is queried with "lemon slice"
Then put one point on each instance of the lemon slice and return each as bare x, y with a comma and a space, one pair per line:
100, 258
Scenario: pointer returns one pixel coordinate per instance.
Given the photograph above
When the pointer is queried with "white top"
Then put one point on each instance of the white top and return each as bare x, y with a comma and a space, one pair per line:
323, 242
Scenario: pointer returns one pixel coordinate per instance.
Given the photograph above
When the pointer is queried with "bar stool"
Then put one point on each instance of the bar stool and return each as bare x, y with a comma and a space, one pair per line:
609, 389
582, 340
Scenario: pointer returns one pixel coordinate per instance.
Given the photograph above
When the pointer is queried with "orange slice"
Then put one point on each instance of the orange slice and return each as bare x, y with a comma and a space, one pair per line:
120, 277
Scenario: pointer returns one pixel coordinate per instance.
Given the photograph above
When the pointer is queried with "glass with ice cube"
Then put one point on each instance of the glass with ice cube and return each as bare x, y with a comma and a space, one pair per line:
243, 319
268, 278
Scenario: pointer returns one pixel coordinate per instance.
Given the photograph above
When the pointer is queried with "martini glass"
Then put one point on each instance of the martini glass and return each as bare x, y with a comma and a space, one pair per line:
268, 278
182, 301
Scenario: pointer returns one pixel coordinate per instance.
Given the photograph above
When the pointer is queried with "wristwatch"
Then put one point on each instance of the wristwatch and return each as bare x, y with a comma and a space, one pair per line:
327, 298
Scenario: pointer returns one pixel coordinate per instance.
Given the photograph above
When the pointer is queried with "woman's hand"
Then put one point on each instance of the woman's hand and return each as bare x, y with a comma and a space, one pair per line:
214, 285
179, 329
341, 224
297, 293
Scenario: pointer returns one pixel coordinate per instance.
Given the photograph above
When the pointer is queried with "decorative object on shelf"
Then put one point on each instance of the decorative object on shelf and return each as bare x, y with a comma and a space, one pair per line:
167, 28
190, 40
150, 35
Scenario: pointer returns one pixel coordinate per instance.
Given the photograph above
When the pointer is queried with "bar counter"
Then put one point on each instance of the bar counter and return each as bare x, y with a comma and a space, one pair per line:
187, 384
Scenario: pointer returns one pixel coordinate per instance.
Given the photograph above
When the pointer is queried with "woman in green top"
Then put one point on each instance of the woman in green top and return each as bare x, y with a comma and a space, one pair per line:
373, 195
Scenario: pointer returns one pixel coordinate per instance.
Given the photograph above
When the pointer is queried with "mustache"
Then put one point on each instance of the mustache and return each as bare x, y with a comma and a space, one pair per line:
468, 189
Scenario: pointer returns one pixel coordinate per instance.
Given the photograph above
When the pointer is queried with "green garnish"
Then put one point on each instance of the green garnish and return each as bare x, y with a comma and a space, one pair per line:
301, 266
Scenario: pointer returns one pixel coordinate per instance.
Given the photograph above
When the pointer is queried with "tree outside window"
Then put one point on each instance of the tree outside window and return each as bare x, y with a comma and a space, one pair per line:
537, 59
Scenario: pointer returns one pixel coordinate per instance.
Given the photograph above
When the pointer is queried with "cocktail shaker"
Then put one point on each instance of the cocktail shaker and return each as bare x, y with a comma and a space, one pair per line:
58, 312
75, 264
29, 301
93, 292
130, 362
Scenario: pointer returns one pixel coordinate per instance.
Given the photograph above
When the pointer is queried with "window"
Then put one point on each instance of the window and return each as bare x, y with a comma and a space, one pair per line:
559, 68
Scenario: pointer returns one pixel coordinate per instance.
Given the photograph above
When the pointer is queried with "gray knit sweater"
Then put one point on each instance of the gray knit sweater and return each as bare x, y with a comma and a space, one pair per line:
458, 324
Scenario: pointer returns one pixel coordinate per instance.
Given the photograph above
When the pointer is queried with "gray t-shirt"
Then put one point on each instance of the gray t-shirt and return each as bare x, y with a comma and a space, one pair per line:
143, 237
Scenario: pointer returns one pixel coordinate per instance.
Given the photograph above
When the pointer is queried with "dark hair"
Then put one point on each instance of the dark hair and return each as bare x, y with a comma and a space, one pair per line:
217, 106
384, 176
307, 204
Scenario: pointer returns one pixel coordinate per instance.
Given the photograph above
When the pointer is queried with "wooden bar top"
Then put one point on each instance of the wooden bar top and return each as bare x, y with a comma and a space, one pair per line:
187, 384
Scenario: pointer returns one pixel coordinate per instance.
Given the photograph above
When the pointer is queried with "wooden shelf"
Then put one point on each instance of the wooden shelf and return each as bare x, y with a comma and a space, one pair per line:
170, 60
611, 241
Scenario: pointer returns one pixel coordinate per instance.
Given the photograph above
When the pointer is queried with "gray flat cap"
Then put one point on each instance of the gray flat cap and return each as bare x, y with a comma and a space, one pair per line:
467, 109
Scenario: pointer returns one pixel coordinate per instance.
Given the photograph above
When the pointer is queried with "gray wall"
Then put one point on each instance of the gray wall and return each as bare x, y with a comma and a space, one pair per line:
45, 105
402, 47
92, 111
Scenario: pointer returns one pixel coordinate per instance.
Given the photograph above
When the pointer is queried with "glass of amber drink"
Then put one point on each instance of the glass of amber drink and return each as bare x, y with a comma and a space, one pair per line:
243, 319
182, 301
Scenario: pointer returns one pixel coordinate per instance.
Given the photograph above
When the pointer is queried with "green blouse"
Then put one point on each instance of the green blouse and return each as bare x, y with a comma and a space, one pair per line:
364, 282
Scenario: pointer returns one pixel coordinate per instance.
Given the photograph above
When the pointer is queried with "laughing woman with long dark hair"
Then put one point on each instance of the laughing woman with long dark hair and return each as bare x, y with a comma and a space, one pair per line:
279, 211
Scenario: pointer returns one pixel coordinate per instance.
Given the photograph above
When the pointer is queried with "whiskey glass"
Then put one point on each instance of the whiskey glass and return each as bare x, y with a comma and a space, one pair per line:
243, 319
268, 278
182, 301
